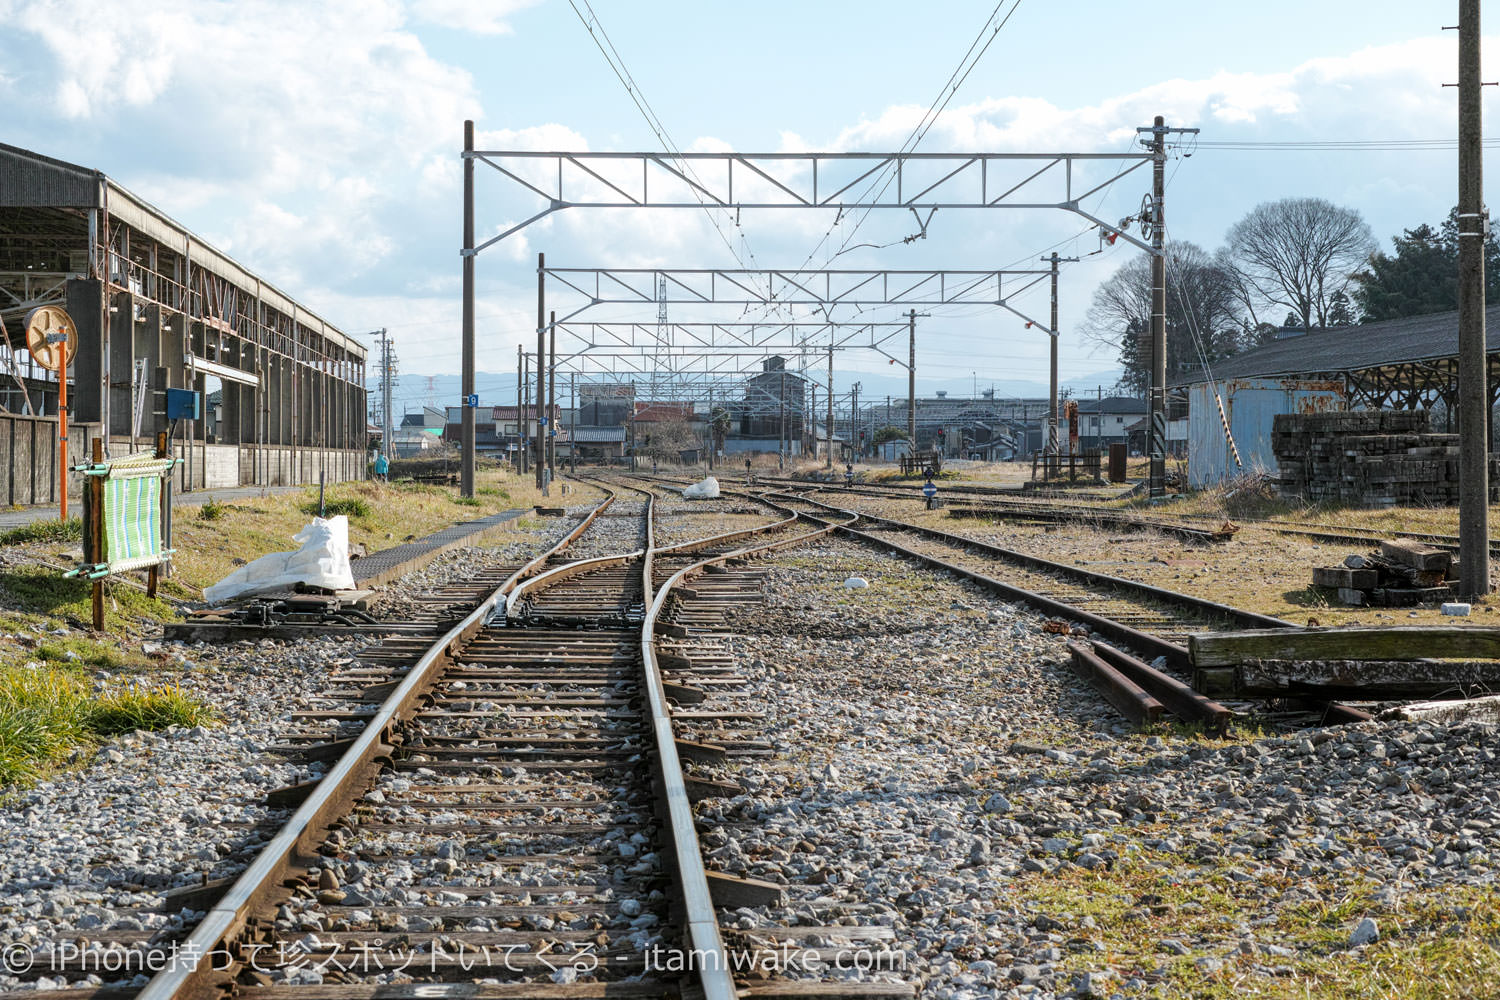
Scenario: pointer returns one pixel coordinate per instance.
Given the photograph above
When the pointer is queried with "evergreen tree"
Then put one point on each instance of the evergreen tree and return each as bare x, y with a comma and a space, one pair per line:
1339, 311
1421, 276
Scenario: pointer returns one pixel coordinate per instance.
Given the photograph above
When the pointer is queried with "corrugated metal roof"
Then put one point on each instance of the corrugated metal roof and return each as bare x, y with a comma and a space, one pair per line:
1355, 348
30, 179
599, 435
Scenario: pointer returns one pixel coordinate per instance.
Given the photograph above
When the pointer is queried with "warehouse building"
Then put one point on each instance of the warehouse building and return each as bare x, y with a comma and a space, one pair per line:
156, 308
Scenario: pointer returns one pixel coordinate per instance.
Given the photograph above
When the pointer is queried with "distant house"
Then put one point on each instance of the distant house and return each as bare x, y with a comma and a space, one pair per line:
498, 430
419, 432
1102, 422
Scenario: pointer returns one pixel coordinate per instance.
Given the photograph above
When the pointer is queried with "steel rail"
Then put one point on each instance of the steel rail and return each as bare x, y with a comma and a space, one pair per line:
699, 917
192, 974
1249, 619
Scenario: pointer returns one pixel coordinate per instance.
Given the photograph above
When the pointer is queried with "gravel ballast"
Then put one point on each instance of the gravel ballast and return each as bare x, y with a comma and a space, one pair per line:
940, 771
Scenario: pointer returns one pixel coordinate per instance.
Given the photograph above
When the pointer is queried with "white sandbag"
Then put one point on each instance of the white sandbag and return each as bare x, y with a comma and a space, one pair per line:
322, 561
706, 490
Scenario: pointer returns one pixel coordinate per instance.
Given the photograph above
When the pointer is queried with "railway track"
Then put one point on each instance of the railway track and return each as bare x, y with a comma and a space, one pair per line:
1142, 622
1185, 526
506, 812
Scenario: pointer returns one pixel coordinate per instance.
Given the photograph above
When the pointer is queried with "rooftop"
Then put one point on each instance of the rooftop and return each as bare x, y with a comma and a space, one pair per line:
1355, 348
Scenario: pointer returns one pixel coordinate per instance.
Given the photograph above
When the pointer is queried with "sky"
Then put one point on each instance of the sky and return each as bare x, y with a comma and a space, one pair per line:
319, 143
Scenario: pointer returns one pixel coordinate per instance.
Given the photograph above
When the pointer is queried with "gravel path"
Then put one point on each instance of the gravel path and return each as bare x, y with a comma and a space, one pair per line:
941, 772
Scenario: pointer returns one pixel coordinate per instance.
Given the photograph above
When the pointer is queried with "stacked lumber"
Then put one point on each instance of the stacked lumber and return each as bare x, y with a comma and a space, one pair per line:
1378, 458
1401, 574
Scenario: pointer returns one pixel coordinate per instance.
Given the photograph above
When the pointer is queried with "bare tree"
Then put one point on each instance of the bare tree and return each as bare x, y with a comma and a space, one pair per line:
1299, 253
1205, 318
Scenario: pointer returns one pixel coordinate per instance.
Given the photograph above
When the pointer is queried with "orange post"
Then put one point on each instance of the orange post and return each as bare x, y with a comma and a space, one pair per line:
62, 433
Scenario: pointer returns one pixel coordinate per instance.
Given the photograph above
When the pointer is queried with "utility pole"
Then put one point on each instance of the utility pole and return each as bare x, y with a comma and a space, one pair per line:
466, 433
573, 423
781, 430
525, 412
854, 423
911, 382
541, 372
387, 376
1157, 402
1473, 378
520, 417
1157, 226
1051, 443
813, 409
828, 429
551, 437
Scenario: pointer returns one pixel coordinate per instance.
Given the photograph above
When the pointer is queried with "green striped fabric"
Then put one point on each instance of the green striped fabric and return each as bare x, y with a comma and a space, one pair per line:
132, 522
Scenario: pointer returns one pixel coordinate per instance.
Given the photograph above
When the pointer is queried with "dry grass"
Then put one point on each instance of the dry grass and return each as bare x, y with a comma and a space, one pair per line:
1435, 945
380, 515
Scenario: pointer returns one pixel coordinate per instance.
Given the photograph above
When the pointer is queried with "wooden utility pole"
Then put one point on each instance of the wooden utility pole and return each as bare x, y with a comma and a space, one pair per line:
1473, 379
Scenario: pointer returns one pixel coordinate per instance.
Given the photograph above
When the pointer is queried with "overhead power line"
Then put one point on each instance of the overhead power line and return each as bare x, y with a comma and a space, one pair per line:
1320, 144
955, 80
616, 62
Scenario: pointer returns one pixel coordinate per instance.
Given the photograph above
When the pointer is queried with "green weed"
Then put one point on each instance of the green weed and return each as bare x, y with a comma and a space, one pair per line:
348, 506
70, 530
47, 712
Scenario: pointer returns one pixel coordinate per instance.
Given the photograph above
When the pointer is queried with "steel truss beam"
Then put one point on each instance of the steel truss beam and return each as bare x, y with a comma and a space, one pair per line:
919, 182
739, 338
788, 287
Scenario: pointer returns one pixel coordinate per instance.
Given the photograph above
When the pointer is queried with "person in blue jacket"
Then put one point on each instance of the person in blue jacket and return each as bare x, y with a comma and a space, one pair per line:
382, 468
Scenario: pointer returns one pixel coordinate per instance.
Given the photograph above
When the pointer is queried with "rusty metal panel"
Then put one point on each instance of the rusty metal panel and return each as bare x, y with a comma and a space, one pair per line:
1250, 404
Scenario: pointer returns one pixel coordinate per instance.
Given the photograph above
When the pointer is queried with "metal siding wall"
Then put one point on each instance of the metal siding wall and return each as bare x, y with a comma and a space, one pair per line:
1252, 405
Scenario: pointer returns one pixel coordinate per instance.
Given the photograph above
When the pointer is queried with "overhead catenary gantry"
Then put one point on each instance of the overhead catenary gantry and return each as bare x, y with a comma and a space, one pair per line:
821, 288
918, 182
846, 182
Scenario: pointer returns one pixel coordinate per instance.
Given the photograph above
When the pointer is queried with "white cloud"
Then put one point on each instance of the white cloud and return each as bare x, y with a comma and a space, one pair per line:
482, 17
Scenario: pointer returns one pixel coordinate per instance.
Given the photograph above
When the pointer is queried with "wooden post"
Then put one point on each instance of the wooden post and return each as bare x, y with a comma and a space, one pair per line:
95, 528
153, 575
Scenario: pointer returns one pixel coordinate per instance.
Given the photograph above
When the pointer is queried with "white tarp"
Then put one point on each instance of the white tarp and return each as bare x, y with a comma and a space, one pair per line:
322, 561
706, 490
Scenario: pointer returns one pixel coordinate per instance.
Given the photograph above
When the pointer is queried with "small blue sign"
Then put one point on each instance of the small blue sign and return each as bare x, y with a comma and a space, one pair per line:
929, 490
544, 421
471, 400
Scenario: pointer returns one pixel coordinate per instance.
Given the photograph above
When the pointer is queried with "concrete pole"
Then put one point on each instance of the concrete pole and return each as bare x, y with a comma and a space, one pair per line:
1473, 378
781, 438
573, 423
1051, 445
466, 433
520, 417
1158, 397
525, 412
911, 382
551, 437
541, 371
828, 428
